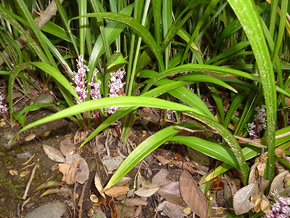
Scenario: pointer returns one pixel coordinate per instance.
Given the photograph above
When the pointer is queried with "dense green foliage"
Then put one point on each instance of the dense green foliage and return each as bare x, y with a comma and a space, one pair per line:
234, 53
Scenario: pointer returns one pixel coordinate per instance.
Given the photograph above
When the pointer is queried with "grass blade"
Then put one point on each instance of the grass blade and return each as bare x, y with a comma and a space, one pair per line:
250, 19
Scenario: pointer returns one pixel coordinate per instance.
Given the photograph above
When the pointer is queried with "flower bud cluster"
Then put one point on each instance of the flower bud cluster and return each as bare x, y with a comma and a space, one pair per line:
259, 123
281, 208
3, 108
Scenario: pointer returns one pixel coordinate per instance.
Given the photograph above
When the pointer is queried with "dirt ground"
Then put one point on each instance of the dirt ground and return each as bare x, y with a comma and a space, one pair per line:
25, 166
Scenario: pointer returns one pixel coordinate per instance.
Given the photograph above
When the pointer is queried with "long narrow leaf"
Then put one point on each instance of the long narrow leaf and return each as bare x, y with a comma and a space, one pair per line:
145, 148
250, 19
136, 27
214, 150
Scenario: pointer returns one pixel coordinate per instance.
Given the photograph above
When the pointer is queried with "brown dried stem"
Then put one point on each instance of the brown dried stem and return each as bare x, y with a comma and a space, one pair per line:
44, 17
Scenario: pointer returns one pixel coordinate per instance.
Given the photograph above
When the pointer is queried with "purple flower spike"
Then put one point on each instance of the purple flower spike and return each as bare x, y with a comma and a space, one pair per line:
95, 87
3, 108
281, 208
80, 79
115, 86
259, 123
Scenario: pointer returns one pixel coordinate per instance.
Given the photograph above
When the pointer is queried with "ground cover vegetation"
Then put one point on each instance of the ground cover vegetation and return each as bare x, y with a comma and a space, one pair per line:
217, 70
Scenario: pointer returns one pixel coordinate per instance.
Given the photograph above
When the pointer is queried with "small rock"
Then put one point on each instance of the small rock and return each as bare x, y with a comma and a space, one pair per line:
50, 210
45, 98
24, 155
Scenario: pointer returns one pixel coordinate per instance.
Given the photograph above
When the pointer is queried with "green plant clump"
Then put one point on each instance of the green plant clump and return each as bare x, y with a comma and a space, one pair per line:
109, 58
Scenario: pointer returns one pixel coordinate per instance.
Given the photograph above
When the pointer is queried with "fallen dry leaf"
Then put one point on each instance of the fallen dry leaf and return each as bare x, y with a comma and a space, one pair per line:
117, 191
46, 134
112, 163
24, 173
66, 146
98, 184
114, 208
13, 172
63, 191
162, 160
147, 191
171, 210
125, 180
171, 192
160, 177
82, 170
29, 137
242, 203
46, 185
68, 172
130, 202
74, 169
278, 185
138, 211
192, 195
53, 153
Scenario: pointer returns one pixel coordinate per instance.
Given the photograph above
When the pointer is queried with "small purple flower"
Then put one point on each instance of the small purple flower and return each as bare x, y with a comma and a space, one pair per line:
191, 89
169, 114
3, 108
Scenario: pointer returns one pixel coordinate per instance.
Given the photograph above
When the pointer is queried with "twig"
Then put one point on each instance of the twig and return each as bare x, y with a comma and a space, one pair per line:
82, 198
108, 139
249, 141
28, 160
49, 12
29, 182
74, 198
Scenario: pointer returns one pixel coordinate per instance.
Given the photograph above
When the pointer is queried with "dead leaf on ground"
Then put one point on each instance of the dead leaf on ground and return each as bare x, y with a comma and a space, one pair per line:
193, 196
66, 145
82, 170
138, 211
112, 163
24, 173
13, 172
171, 210
242, 203
29, 137
98, 184
114, 208
46, 185
162, 160
117, 191
75, 169
261, 203
125, 180
68, 172
46, 134
160, 177
171, 192
53, 153
130, 202
147, 190
63, 191
278, 185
